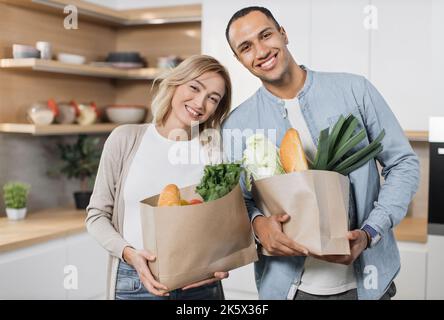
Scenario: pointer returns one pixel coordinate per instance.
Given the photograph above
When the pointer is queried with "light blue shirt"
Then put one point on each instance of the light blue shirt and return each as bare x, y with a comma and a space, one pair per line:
323, 98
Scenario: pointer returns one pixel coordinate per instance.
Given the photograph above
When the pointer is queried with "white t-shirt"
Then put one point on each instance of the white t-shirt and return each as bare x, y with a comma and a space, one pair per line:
157, 163
319, 277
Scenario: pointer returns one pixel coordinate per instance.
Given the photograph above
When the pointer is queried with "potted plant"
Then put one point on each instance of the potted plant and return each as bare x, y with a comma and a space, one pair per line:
15, 195
81, 161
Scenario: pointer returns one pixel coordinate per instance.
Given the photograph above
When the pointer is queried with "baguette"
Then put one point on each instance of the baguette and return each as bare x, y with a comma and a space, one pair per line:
291, 153
170, 196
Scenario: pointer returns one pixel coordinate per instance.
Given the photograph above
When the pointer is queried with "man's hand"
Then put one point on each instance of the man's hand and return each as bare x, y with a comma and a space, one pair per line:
217, 277
358, 242
269, 232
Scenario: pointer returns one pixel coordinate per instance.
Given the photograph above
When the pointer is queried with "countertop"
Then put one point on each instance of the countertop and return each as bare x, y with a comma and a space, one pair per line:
412, 229
40, 226
50, 224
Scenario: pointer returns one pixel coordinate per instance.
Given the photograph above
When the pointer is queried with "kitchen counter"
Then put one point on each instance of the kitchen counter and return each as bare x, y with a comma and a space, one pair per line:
40, 226
412, 229
49, 224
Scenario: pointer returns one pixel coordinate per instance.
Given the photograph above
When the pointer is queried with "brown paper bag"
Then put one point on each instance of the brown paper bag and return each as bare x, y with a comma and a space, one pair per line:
192, 242
317, 202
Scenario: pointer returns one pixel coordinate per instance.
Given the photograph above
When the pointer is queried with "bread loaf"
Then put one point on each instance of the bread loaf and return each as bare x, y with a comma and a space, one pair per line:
292, 153
170, 196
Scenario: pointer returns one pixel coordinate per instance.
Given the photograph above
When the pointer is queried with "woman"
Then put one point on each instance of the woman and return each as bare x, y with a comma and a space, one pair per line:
137, 162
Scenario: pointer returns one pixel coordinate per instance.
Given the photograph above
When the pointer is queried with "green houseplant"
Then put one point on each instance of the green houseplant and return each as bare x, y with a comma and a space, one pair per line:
81, 161
15, 195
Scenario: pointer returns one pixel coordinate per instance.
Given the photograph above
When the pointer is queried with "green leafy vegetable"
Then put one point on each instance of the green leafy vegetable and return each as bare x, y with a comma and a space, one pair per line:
333, 151
218, 180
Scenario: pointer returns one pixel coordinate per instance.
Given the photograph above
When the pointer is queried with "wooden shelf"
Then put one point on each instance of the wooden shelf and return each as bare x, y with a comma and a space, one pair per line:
109, 16
40, 226
412, 229
419, 136
56, 129
33, 64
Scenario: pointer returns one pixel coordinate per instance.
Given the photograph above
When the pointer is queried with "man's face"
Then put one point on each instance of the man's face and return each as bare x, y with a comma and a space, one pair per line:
260, 46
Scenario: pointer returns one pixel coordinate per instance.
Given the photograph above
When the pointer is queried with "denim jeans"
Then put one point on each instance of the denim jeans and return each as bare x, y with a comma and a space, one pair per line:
129, 287
347, 295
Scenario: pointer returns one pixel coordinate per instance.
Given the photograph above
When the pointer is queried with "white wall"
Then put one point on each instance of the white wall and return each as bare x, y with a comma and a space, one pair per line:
402, 57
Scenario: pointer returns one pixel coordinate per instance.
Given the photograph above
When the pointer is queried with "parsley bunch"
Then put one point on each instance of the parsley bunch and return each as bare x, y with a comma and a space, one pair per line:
218, 180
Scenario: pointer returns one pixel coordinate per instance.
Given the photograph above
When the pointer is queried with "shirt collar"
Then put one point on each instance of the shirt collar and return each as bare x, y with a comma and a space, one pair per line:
304, 90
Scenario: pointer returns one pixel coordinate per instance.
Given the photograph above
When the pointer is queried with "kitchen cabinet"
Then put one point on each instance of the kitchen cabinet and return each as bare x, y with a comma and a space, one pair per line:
34, 272
91, 260
421, 270
39, 271
403, 59
412, 278
435, 267
172, 30
339, 40
240, 284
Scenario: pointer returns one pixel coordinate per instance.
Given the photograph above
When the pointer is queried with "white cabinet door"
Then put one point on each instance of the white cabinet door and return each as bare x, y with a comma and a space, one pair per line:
240, 284
35, 272
435, 268
437, 81
90, 262
401, 60
339, 39
411, 281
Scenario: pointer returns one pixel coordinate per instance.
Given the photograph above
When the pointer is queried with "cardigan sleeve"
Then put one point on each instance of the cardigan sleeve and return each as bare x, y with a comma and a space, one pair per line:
101, 206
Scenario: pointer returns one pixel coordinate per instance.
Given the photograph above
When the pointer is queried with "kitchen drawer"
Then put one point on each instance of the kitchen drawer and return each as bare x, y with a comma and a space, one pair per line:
35, 272
435, 267
411, 280
240, 284
90, 261
40, 271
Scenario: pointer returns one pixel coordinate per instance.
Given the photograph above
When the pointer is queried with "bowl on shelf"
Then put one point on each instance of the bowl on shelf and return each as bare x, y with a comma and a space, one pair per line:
20, 51
71, 58
125, 60
43, 113
124, 57
126, 113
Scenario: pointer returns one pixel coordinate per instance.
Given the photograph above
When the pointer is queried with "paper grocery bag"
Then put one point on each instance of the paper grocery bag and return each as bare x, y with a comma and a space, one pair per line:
317, 202
192, 242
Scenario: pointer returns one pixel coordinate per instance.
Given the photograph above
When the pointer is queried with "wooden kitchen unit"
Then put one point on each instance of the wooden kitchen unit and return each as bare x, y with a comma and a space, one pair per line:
151, 32
40, 227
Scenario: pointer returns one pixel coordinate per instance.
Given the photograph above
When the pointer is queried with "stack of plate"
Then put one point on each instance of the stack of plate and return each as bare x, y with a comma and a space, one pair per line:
125, 60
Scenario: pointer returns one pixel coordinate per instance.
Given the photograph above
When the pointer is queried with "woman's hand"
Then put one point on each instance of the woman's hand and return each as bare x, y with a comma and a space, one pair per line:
138, 259
217, 277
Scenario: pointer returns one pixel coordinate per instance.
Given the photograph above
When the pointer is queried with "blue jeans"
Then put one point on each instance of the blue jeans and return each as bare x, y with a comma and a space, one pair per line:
129, 287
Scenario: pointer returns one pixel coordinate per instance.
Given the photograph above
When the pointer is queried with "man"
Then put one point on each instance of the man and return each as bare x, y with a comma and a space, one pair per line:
294, 96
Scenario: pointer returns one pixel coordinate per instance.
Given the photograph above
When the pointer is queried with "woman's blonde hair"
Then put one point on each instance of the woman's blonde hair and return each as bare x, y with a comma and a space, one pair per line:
191, 68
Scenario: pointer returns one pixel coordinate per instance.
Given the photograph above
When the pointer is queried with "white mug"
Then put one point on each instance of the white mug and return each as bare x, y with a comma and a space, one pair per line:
45, 49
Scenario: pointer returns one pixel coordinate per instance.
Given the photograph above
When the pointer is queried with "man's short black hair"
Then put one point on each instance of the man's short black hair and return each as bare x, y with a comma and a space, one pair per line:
243, 12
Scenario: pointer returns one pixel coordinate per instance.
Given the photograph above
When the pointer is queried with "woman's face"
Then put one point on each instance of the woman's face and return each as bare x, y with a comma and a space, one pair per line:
197, 99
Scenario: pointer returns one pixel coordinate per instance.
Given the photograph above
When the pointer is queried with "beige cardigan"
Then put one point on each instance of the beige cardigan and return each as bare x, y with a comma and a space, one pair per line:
106, 209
